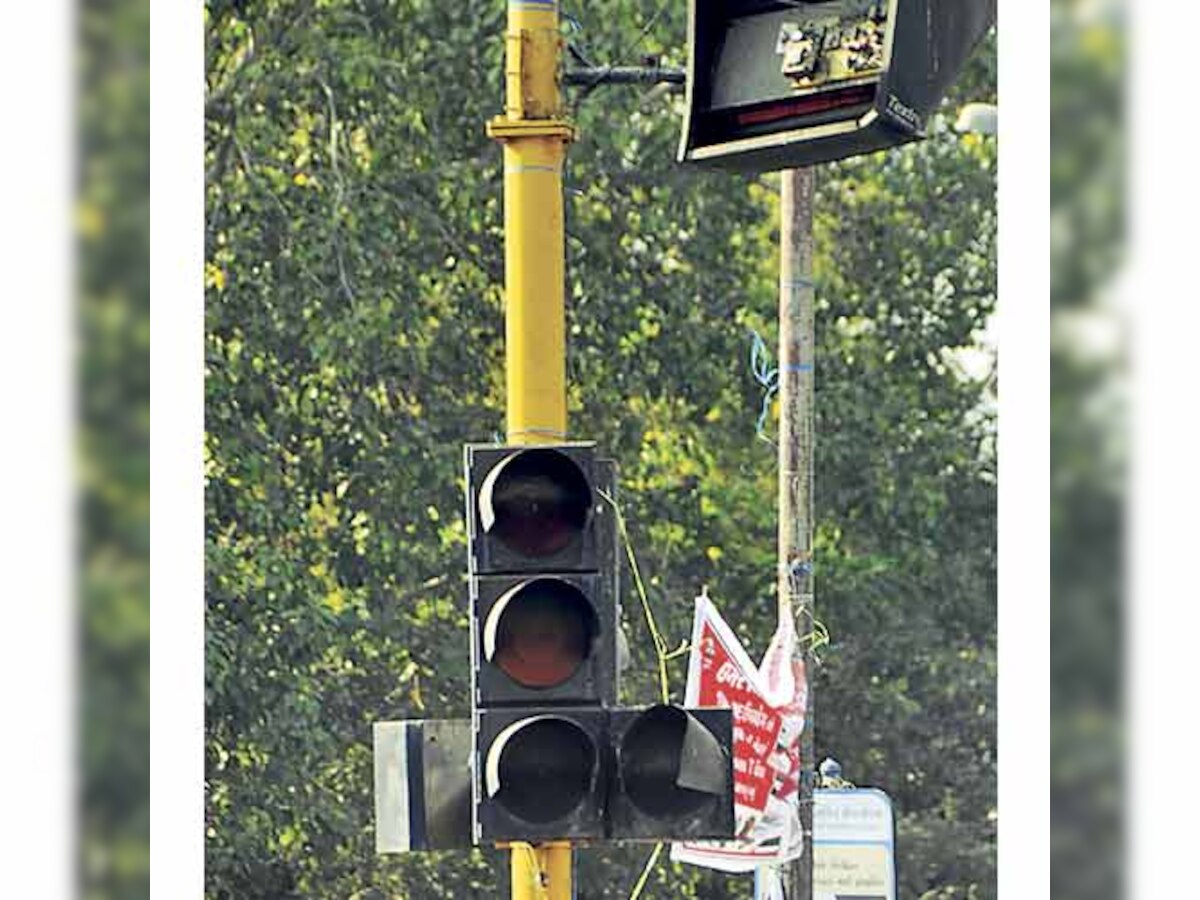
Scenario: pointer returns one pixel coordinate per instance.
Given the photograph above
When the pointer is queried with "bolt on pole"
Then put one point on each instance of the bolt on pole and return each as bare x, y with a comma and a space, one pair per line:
534, 132
797, 359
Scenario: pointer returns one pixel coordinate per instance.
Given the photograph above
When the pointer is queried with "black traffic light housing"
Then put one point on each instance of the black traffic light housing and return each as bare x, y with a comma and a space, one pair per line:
656, 773
517, 660
540, 774
542, 546
552, 756
673, 775
532, 508
775, 84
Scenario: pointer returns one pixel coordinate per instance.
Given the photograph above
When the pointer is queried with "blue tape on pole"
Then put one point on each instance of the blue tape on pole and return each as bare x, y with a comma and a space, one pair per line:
799, 283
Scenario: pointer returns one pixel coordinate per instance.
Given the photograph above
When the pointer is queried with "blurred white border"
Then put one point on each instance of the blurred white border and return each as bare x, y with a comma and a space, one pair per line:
37, 638
177, 418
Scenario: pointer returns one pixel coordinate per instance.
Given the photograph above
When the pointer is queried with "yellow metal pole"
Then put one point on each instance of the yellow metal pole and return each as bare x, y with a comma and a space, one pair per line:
535, 132
542, 872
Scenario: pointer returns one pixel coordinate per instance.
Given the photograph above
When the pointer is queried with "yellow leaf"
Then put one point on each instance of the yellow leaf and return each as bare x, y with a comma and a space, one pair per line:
336, 600
89, 220
214, 277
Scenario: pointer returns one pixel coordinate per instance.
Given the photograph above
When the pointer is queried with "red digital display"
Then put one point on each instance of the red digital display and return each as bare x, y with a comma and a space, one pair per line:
806, 106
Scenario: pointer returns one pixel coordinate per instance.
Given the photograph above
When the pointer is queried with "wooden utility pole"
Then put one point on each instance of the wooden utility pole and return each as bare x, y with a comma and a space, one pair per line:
797, 357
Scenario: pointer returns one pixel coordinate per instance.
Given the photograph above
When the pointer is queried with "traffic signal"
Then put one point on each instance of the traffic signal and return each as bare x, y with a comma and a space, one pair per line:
541, 544
673, 776
541, 774
553, 758
775, 84
534, 508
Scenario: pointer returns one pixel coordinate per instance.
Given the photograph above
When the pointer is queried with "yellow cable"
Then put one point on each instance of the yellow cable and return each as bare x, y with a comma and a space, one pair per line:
646, 870
661, 653
660, 643
818, 637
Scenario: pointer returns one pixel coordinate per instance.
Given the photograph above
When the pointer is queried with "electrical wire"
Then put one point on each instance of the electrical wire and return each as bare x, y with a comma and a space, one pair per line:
662, 654
651, 861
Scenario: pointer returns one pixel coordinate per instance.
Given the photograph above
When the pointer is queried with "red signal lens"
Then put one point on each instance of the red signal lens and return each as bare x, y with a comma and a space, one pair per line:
537, 503
544, 633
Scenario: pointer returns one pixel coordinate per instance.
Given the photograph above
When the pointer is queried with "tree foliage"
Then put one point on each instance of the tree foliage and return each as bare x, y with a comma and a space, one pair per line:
355, 341
1089, 448
112, 216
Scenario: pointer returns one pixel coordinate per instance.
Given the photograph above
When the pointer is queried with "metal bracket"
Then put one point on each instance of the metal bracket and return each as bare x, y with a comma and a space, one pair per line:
422, 785
596, 76
503, 128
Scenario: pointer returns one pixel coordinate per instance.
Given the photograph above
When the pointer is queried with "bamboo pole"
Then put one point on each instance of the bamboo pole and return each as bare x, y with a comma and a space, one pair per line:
797, 351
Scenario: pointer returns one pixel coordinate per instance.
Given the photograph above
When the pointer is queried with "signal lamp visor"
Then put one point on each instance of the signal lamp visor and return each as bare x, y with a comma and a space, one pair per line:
541, 769
540, 632
535, 503
671, 765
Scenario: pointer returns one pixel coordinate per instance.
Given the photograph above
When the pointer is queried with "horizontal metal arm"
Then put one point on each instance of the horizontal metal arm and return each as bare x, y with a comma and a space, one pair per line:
597, 75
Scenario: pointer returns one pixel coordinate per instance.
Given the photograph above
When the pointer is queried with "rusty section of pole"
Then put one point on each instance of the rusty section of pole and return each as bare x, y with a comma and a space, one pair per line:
797, 352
